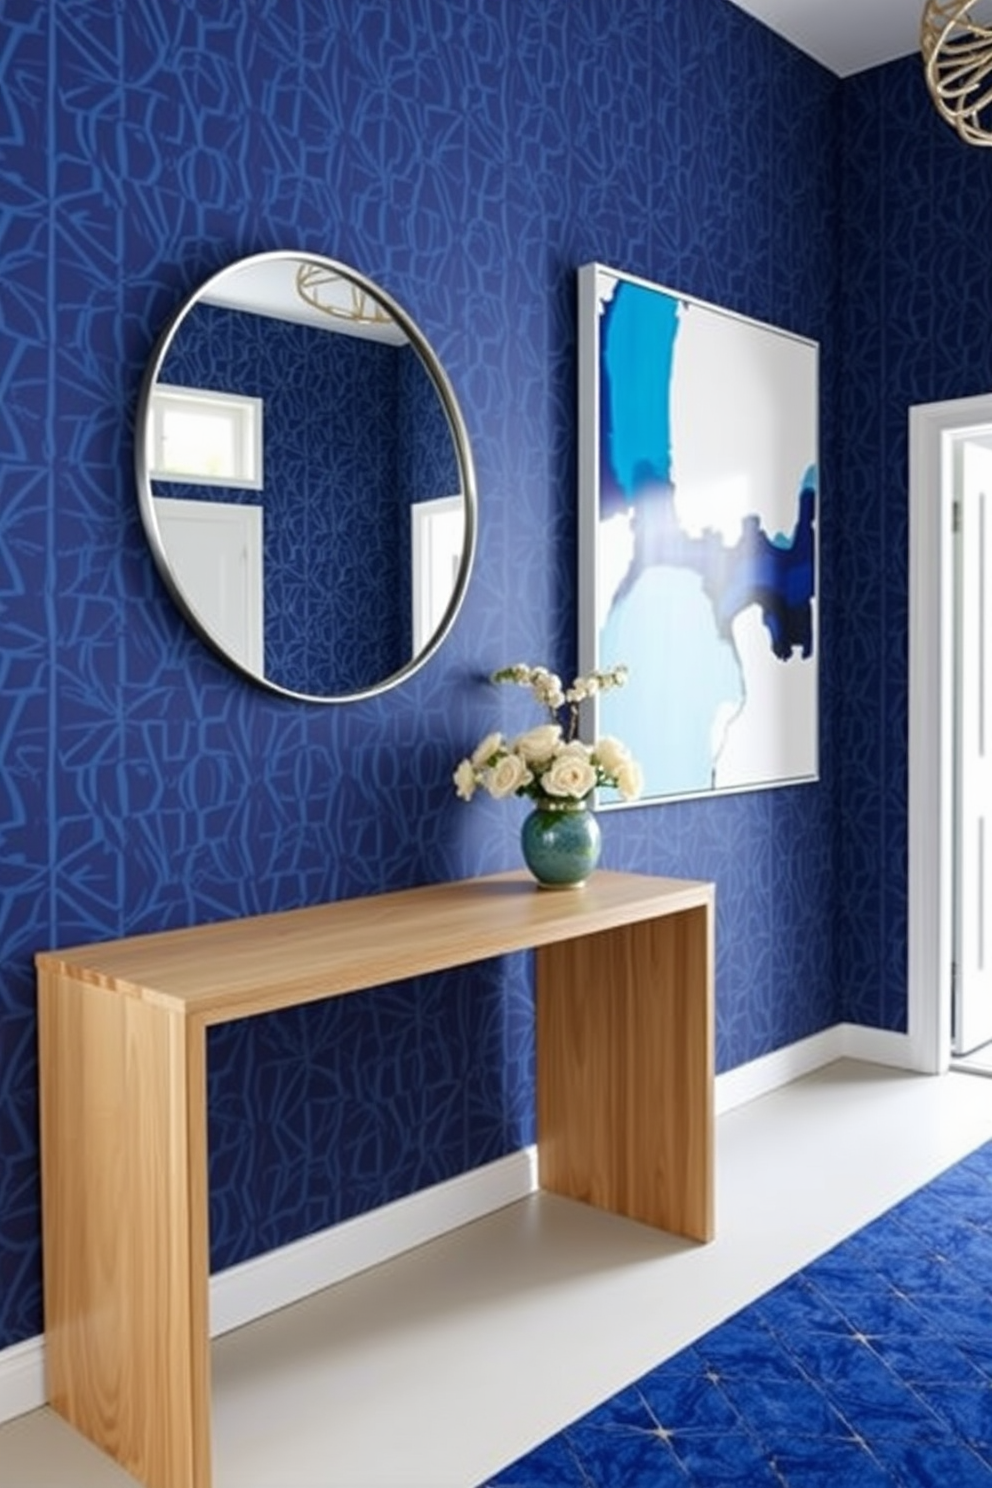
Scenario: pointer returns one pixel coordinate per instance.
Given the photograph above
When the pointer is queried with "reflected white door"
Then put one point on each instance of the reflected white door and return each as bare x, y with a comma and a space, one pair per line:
215, 550
972, 1004
438, 541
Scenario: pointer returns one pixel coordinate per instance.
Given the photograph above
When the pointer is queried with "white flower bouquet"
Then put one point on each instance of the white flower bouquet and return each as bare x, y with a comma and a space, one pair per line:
550, 764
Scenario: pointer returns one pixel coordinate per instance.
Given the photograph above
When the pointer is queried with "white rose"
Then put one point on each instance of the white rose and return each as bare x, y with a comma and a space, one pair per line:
507, 776
538, 743
546, 687
483, 752
611, 754
630, 779
464, 778
570, 774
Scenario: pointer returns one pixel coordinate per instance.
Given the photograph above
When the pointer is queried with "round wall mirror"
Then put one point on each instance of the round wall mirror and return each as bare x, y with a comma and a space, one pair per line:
305, 478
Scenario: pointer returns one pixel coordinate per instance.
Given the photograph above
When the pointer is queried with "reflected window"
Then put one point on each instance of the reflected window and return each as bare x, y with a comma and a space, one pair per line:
214, 439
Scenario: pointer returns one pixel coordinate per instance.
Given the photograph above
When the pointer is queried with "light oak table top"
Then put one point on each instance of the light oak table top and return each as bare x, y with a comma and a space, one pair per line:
236, 968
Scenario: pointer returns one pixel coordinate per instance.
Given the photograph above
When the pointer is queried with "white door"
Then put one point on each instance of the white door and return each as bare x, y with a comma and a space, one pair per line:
215, 551
972, 898
438, 539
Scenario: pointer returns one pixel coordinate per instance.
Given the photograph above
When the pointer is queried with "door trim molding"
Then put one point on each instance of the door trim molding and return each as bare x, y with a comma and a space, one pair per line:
931, 697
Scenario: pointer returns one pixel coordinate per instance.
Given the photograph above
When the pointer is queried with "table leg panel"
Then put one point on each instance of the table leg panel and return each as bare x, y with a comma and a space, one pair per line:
625, 1071
125, 1228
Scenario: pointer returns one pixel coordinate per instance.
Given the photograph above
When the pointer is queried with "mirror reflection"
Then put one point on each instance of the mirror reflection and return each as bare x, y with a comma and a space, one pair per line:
305, 479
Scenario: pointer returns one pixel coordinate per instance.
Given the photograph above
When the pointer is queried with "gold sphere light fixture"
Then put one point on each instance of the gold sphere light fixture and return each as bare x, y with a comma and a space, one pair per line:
956, 42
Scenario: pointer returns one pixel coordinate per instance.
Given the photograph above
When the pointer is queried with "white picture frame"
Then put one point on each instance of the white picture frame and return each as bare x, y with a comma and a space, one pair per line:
698, 553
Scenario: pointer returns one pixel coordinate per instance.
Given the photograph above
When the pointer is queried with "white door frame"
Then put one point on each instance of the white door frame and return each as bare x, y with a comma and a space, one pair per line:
931, 712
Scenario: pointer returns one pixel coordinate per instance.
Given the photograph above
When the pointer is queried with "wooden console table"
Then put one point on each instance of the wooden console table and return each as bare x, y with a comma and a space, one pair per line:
624, 1095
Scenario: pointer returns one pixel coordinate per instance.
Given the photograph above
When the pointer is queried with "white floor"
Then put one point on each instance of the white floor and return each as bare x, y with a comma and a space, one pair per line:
440, 1367
978, 1062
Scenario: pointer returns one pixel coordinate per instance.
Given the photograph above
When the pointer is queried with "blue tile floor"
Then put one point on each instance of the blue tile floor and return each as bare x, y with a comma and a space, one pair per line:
870, 1368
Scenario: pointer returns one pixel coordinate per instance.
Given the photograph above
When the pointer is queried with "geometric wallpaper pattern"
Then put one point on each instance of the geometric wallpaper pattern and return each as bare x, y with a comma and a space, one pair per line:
468, 156
917, 307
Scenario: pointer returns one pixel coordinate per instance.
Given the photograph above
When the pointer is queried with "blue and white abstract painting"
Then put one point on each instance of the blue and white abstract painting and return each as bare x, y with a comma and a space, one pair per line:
698, 503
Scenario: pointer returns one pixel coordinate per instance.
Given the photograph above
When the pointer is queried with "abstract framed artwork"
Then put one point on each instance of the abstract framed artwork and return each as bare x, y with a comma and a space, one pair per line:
698, 504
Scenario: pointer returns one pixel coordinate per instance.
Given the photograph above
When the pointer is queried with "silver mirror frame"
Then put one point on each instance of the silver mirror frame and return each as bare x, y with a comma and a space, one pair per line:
456, 426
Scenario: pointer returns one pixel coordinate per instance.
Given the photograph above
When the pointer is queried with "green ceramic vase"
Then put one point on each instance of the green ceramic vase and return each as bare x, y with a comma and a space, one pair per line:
561, 843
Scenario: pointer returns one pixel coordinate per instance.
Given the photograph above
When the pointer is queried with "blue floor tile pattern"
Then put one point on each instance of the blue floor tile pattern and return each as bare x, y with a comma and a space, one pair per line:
869, 1368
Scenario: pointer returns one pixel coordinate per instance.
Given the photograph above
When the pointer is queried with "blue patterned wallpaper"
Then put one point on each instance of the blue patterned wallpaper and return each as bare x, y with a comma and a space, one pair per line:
917, 309
468, 154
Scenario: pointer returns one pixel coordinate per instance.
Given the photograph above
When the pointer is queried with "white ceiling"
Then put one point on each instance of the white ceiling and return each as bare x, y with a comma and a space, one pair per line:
845, 35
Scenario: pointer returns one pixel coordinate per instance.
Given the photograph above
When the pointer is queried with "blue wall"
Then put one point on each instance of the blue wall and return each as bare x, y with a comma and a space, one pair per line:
917, 312
469, 155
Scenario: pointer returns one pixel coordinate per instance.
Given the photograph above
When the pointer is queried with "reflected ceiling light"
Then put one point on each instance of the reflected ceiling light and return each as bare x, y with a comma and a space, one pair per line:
956, 42
333, 294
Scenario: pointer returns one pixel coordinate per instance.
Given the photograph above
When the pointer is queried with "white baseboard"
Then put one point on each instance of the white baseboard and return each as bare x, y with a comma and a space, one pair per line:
769, 1072
842, 1041
22, 1378
878, 1046
247, 1291
259, 1286
250, 1290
